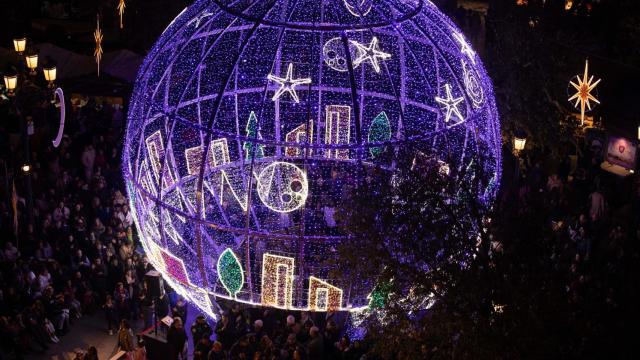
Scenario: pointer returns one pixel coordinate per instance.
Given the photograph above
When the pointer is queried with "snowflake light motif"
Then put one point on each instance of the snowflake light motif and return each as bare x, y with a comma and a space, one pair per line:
234, 175
584, 86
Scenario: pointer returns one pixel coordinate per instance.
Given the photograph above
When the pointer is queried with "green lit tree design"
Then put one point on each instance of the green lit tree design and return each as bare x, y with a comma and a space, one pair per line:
380, 130
230, 272
253, 133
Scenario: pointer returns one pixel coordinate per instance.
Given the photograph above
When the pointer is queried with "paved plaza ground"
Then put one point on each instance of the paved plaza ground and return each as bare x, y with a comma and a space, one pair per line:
91, 330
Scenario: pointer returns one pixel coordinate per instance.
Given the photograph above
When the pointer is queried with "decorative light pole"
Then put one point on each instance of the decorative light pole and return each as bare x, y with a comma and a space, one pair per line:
519, 142
22, 100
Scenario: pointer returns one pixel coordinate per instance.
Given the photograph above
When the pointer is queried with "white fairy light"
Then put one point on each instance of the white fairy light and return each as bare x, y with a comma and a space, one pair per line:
288, 84
370, 53
323, 296
337, 130
451, 104
277, 280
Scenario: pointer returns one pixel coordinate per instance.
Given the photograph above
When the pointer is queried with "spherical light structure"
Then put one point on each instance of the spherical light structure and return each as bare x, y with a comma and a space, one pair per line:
250, 120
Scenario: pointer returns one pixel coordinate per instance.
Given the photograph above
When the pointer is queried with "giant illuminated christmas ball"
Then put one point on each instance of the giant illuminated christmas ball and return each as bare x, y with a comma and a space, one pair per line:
251, 121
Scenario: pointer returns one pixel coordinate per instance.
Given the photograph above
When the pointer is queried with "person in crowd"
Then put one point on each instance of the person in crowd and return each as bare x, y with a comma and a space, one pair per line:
125, 336
199, 329
202, 349
141, 351
91, 354
180, 310
216, 352
315, 345
110, 313
177, 340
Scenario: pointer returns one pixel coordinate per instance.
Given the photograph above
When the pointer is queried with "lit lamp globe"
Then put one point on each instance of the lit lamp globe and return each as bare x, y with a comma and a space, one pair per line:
247, 120
20, 45
50, 75
32, 63
519, 142
10, 82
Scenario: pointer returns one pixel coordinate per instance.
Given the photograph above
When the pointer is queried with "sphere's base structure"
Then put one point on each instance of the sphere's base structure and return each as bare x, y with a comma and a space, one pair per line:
296, 103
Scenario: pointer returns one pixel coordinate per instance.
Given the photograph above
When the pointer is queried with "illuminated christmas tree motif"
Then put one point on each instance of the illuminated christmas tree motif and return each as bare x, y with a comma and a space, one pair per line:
379, 131
379, 296
247, 120
251, 149
230, 272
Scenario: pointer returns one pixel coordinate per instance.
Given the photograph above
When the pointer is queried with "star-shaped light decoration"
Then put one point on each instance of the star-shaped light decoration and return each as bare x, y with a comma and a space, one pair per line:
464, 47
370, 53
121, 6
583, 88
199, 18
450, 104
288, 84
97, 35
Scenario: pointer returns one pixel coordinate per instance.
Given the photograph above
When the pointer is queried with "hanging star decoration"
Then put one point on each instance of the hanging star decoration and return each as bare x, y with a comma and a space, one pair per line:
370, 53
450, 104
465, 48
121, 6
97, 35
288, 84
199, 18
583, 95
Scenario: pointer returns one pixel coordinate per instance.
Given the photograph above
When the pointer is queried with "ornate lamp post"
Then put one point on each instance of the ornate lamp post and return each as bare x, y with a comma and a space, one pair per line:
23, 99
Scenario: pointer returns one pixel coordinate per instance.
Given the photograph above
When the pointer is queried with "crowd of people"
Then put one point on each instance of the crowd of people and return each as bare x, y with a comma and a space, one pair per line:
70, 252
259, 333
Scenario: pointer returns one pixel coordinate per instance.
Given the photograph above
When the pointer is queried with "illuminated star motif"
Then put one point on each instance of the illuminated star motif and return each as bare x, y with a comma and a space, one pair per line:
465, 48
450, 103
583, 91
199, 18
121, 6
97, 53
288, 84
370, 53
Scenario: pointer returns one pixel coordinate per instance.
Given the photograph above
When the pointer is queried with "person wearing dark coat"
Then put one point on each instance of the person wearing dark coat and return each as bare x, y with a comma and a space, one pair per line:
177, 339
315, 345
200, 329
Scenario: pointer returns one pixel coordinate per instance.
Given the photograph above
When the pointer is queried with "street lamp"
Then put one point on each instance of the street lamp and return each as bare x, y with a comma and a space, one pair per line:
20, 45
519, 142
10, 82
32, 63
50, 75
26, 168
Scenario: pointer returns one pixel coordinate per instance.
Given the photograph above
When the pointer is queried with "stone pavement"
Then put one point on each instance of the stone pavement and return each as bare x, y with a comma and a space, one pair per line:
91, 330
